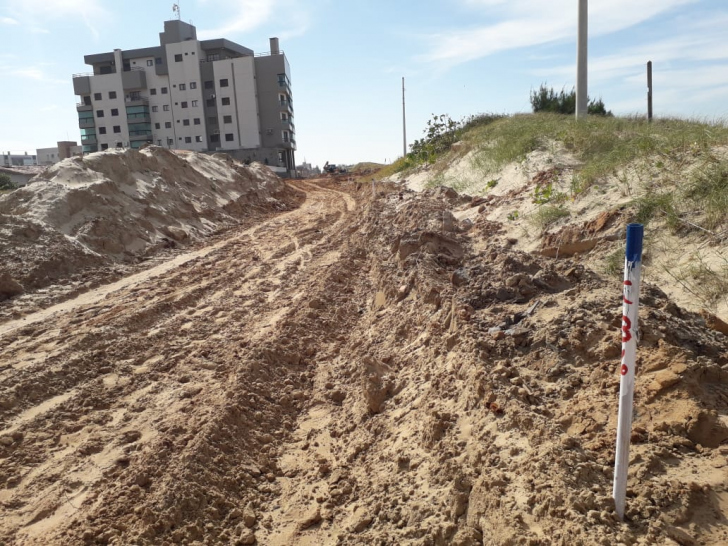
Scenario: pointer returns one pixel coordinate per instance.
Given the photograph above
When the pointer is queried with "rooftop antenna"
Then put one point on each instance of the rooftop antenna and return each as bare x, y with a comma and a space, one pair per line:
175, 10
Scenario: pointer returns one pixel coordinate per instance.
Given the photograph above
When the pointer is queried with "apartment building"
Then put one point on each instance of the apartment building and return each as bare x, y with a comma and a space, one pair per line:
190, 94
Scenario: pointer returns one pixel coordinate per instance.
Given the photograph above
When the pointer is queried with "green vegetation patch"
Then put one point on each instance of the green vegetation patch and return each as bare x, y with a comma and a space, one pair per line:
603, 143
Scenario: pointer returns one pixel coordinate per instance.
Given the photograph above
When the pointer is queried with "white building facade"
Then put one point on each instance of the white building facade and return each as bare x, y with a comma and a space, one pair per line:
187, 94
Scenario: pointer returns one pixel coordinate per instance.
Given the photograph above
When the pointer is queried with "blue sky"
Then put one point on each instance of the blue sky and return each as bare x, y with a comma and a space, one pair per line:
459, 57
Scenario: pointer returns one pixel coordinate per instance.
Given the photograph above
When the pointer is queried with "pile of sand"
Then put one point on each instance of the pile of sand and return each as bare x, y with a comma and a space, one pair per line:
119, 206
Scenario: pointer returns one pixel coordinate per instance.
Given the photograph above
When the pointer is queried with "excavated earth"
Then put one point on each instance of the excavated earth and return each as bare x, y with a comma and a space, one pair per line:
359, 371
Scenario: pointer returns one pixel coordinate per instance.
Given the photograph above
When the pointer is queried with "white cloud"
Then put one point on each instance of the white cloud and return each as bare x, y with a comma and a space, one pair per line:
291, 17
8, 21
30, 73
700, 44
91, 12
524, 23
248, 15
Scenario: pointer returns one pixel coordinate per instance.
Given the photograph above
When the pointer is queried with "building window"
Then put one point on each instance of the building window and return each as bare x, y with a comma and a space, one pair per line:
155, 108
104, 147
157, 126
117, 128
182, 87
211, 103
226, 101
213, 57
209, 84
112, 94
195, 103
193, 85
119, 145
150, 62
198, 138
167, 124
170, 141
214, 138
153, 91
164, 90
229, 137
102, 130
114, 112
186, 122
227, 119
212, 120
158, 60
99, 113
184, 104
165, 107
97, 96
188, 139
223, 83
196, 121
178, 58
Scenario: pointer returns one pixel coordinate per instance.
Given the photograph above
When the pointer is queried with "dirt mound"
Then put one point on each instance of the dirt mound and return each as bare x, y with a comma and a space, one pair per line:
391, 375
118, 207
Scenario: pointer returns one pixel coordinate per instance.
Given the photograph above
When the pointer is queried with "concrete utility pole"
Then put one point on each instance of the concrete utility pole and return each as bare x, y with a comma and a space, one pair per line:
404, 124
649, 91
582, 101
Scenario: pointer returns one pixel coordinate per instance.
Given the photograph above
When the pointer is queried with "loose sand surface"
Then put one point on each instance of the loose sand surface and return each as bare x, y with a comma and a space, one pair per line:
363, 371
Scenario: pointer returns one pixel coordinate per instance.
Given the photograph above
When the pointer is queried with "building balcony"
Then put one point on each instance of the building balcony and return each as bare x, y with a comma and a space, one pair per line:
137, 100
135, 78
83, 107
289, 144
82, 84
86, 123
89, 140
288, 125
284, 85
145, 117
140, 135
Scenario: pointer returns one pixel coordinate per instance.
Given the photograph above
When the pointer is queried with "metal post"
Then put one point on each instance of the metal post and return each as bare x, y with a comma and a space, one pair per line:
581, 61
630, 312
649, 91
404, 124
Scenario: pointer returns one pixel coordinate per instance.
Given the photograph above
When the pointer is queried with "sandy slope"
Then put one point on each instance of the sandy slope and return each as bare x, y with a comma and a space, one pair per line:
671, 259
358, 372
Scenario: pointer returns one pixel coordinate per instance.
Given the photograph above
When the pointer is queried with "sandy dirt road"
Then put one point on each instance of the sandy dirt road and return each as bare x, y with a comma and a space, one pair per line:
149, 380
359, 371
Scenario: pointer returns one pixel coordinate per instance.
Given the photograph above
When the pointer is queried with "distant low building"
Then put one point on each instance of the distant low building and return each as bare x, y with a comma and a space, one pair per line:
18, 160
305, 170
64, 150
21, 175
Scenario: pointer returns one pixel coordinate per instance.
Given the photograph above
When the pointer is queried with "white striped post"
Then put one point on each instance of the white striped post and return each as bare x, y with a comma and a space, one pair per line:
630, 311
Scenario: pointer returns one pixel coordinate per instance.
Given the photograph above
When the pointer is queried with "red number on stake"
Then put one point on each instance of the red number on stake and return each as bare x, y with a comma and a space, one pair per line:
626, 334
627, 283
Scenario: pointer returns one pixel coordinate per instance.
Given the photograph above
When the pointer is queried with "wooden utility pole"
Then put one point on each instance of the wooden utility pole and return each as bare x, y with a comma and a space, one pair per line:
404, 124
649, 91
582, 101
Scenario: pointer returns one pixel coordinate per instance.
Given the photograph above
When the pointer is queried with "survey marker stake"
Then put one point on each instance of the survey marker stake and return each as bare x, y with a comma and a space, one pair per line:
630, 311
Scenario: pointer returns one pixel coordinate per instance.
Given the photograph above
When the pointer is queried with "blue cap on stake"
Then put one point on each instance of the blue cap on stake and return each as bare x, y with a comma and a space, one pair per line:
635, 232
